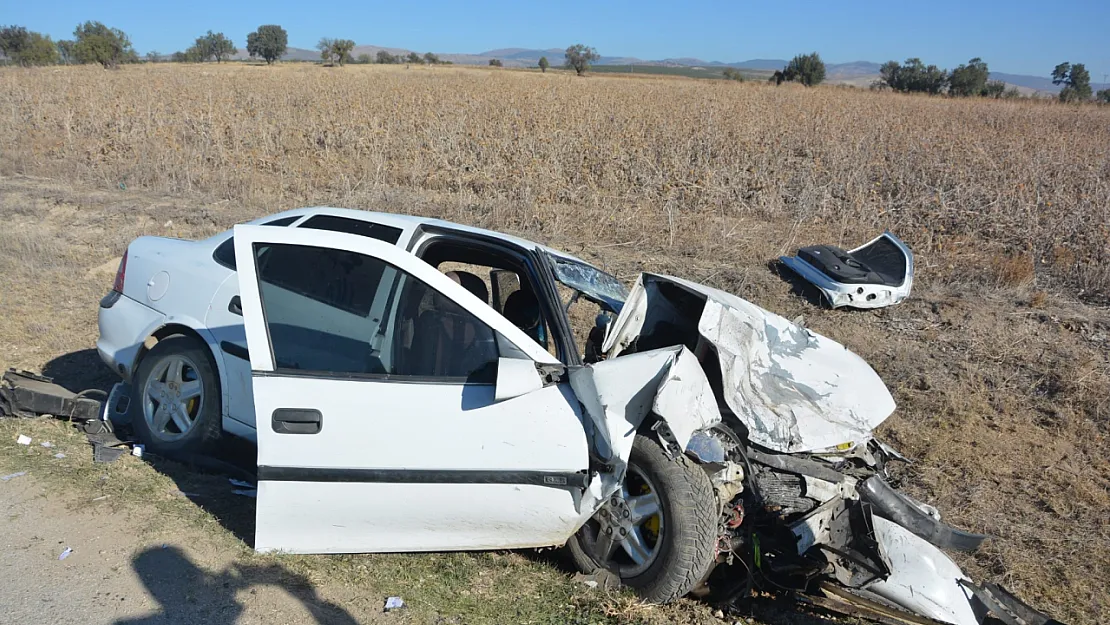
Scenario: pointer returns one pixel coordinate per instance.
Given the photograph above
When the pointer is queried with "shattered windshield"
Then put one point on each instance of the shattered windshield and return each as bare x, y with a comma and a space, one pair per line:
593, 283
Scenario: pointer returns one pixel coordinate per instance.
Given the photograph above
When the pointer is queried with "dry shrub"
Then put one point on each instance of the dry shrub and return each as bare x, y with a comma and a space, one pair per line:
1013, 270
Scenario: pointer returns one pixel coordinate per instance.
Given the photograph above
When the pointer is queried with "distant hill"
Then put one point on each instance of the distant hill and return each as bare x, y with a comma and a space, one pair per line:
858, 73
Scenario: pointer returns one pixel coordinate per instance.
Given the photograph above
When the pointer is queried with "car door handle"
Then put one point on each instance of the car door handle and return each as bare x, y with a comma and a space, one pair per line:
235, 306
297, 421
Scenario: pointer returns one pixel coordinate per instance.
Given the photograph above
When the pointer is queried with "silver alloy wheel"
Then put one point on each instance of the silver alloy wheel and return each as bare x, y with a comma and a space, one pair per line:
172, 397
632, 523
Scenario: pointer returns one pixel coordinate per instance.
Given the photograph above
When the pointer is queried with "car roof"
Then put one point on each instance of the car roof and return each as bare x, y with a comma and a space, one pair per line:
409, 223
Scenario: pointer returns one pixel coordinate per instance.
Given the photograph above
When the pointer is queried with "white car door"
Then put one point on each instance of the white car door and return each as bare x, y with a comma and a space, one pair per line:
385, 432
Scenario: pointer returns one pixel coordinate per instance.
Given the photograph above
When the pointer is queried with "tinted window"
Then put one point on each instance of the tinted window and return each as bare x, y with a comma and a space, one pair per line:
338, 312
225, 253
354, 226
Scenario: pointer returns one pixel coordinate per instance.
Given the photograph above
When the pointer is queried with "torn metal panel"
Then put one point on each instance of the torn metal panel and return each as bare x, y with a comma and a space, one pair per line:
618, 394
793, 389
876, 274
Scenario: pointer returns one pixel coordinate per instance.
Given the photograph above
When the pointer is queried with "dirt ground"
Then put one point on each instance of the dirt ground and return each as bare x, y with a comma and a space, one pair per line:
1003, 392
165, 576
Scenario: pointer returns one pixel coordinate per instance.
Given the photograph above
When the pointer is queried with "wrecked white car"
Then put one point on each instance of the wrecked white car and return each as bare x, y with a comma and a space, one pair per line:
427, 393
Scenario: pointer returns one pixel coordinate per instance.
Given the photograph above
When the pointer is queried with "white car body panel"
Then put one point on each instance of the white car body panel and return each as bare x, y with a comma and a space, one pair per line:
922, 578
383, 430
117, 344
863, 296
794, 389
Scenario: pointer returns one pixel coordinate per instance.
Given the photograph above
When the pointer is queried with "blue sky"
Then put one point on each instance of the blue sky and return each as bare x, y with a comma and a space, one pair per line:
1016, 36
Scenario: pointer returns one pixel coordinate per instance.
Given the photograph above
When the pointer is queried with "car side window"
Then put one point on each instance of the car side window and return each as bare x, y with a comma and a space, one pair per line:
225, 252
360, 227
342, 313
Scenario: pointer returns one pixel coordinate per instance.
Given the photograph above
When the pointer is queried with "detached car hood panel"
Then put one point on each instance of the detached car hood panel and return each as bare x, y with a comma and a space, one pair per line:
793, 389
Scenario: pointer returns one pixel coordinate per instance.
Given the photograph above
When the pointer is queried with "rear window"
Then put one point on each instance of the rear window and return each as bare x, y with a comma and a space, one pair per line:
225, 253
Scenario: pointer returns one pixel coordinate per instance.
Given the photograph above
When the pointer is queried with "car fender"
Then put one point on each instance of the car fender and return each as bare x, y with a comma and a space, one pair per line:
165, 328
619, 395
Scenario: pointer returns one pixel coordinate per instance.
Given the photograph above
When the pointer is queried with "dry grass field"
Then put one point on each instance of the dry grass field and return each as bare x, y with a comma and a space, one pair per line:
1000, 360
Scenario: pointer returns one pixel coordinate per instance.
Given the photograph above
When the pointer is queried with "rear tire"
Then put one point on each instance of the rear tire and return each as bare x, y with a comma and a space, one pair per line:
686, 544
176, 407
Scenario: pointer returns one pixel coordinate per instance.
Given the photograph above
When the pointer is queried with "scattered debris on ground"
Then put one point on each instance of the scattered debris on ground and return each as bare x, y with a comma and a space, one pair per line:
394, 603
874, 275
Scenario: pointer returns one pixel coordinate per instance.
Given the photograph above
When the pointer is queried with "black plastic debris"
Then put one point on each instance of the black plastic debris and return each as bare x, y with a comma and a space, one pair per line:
26, 394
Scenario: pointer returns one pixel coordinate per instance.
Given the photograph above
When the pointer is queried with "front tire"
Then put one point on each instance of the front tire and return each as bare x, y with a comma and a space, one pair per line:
665, 555
176, 406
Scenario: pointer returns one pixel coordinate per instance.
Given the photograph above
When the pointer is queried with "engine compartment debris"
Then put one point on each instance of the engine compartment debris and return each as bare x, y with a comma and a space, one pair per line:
26, 394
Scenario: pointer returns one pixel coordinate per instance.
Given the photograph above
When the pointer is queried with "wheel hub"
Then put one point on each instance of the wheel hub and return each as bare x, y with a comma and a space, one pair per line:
172, 397
629, 527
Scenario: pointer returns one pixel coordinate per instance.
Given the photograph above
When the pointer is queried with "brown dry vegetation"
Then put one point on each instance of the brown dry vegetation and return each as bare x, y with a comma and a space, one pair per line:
998, 361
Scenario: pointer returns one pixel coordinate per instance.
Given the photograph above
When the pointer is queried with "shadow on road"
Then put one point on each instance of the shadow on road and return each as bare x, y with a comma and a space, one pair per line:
188, 594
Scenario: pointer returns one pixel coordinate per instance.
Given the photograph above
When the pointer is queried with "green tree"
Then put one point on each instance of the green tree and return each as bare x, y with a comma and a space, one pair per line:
364, 59
26, 47
268, 42
1103, 96
431, 59
971, 79
218, 46
1075, 79
65, 50
579, 57
807, 69
97, 43
153, 56
495, 63
179, 57
913, 76
341, 50
386, 58
414, 59
13, 40
991, 89
544, 64
731, 73
325, 47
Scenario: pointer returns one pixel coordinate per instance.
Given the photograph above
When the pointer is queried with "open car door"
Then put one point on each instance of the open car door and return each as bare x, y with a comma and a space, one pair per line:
382, 424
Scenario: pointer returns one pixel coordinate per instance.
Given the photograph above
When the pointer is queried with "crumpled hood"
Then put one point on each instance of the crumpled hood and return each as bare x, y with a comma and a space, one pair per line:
793, 389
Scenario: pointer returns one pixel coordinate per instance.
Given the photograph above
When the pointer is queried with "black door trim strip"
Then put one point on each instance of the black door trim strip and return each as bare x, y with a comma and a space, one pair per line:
422, 476
231, 349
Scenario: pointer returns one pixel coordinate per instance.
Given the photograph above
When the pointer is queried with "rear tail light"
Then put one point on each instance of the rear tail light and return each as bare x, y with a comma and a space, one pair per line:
117, 286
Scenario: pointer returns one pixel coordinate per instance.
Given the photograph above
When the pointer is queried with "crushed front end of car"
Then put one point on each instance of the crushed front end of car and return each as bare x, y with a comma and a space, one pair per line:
805, 500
